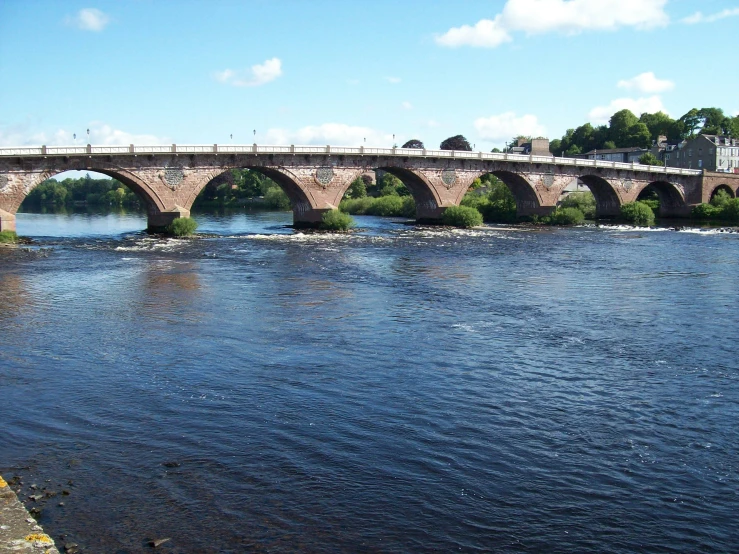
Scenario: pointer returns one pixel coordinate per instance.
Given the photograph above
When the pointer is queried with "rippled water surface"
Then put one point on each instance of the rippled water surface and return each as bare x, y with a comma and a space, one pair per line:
399, 389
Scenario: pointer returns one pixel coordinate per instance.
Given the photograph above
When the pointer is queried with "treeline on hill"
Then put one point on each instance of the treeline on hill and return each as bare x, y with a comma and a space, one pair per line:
625, 130
84, 190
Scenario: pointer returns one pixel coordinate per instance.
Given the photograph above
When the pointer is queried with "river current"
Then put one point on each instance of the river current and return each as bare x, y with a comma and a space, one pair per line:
397, 389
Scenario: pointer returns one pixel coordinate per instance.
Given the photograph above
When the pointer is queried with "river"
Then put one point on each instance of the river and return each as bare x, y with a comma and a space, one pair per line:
397, 389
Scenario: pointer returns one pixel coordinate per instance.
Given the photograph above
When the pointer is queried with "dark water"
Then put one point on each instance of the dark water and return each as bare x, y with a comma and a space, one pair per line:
402, 389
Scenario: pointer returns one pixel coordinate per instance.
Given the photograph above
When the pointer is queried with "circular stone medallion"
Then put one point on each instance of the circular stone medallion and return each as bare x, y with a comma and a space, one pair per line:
449, 177
173, 176
628, 185
548, 180
3, 182
324, 175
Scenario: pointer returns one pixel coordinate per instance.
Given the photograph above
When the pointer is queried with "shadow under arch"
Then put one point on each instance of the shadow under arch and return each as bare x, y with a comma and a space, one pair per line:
607, 201
671, 199
726, 188
154, 204
428, 204
527, 200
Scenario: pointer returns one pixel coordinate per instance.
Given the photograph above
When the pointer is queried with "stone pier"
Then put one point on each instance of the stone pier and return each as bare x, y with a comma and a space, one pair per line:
19, 532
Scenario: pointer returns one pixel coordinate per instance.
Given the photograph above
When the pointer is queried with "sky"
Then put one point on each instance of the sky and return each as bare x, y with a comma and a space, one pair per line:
352, 72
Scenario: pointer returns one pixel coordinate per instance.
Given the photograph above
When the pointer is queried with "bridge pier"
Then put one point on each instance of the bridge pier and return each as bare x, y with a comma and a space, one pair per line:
7, 221
306, 218
157, 222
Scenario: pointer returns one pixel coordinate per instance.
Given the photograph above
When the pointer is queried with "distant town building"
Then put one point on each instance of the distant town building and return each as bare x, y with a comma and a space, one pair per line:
537, 147
625, 155
709, 152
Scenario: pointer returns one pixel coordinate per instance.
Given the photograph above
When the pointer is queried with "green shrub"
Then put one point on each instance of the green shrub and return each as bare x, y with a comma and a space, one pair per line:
335, 220
566, 216
705, 211
653, 204
276, 199
730, 210
356, 206
182, 227
638, 213
583, 201
386, 206
461, 216
721, 198
7, 237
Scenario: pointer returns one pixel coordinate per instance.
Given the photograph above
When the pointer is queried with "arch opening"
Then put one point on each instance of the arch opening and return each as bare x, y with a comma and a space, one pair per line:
607, 201
671, 200
721, 191
426, 202
98, 188
381, 193
527, 200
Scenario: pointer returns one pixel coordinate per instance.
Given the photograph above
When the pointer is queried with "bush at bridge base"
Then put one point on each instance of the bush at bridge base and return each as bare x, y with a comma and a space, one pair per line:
566, 216
726, 210
7, 237
182, 227
336, 221
638, 213
583, 201
461, 216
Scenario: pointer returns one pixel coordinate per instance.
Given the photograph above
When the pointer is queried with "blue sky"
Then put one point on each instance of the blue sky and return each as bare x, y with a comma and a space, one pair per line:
339, 72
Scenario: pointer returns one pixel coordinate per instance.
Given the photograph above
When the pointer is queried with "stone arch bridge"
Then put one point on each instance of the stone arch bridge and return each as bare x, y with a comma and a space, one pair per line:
315, 178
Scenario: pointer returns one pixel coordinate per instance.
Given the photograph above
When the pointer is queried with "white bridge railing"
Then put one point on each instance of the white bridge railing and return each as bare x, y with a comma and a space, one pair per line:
361, 150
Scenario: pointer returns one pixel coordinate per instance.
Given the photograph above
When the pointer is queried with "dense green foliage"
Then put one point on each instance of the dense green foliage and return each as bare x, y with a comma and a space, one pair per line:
497, 205
461, 216
239, 187
565, 216
276, 199
391, 205
335, 220
7, 237
182, 227
85, 190
638, 213
722, 208
457, 142
626, 129
649, 159
583, 201
413, 143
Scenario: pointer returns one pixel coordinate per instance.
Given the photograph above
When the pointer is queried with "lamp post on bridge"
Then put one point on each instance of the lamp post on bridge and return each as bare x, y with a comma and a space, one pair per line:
88, 136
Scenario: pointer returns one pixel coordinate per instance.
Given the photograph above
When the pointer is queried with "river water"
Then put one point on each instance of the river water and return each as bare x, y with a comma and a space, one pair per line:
398, 389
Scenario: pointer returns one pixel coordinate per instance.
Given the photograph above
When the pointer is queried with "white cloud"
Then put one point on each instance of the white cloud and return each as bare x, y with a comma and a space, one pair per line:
257, 75
502, 127
352, 82
407, 105
433, 123
650, 104
337, 134
698, 17
484, 33
393, 80
100, 134
562, 16
89, 19
647, 83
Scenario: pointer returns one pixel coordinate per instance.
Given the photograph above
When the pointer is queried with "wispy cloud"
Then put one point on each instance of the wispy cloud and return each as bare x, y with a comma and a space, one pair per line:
647, 83
534, 17
100, 133
650, 104
329, 133
406, 105
88, 19
698, 17
501, 127
393, 80
259, 74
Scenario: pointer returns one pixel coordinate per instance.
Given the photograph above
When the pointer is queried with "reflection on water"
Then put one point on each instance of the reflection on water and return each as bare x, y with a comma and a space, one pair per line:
396, 389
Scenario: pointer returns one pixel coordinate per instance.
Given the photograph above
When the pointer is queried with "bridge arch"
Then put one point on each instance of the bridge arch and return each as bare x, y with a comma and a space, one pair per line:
607, 200
152, 198
671, 198
528, 201
428, 202
726, 188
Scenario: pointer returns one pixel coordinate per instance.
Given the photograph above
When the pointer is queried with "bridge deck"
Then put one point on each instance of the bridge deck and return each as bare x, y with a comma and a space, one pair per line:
35, 151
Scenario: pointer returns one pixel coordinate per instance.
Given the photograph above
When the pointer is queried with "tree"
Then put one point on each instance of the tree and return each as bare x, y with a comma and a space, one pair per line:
639, 136
608, 145
357, 189
620, 126
691, 123
658, 123
457, 142
649, 159
413, 143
